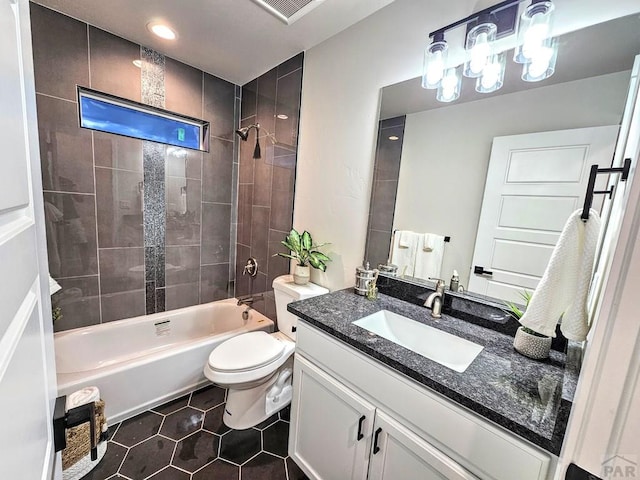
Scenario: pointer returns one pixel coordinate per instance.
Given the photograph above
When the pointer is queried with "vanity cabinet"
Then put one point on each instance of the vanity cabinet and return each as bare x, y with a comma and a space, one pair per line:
336, 434
355, 418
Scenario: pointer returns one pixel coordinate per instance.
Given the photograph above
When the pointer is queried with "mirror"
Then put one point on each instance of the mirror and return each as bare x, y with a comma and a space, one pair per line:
432, 158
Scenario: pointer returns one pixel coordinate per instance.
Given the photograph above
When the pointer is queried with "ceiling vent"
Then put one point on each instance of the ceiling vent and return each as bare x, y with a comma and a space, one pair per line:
288, 11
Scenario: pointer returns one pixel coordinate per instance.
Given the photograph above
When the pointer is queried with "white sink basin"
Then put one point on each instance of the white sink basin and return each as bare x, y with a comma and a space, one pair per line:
442, 347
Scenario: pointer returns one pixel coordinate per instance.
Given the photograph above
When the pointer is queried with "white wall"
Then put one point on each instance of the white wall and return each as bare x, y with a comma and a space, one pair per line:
443, 169
339, 114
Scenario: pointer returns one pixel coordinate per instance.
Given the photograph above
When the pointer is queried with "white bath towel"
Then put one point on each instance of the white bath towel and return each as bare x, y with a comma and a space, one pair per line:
564, 287
403, 251
429, 256
83, 396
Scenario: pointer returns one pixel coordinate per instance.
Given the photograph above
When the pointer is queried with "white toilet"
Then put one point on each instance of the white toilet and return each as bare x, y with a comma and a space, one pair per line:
256, 367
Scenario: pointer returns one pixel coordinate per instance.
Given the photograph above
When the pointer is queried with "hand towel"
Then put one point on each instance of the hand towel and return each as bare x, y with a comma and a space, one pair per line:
564, 287
429, 256
403, 252
82, 397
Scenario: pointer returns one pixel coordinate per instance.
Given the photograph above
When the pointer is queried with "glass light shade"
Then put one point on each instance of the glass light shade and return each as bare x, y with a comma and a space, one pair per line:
534, 31
492, 77
435, 58
450, 86
479, 47
543, 64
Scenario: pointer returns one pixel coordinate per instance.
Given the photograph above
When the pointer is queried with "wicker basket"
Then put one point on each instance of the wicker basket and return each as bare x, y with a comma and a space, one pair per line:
78, 448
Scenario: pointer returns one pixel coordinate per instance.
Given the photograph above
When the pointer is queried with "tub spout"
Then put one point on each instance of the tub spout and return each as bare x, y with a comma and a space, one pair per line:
248, 300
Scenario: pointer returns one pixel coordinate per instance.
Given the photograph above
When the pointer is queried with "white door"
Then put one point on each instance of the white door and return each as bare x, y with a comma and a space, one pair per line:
398, 453
330, 433
534, 182
27, 369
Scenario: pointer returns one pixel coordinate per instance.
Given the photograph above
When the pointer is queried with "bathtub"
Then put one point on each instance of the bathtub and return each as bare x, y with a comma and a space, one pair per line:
145, 361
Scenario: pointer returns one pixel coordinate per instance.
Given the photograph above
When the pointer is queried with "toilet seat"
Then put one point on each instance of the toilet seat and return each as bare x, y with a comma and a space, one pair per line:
220, 367
245, 352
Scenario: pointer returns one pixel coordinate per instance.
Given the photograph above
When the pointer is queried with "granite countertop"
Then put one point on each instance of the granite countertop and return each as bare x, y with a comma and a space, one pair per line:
528, 397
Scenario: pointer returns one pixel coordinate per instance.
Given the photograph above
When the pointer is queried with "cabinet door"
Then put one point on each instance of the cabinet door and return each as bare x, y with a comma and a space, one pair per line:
331, 426
398, 453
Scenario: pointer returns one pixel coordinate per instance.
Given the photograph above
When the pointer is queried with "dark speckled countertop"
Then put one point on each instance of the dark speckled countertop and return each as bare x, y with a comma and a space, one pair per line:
530, 398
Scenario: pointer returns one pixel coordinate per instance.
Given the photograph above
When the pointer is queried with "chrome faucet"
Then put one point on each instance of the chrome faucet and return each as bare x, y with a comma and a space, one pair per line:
248, 300
436, 299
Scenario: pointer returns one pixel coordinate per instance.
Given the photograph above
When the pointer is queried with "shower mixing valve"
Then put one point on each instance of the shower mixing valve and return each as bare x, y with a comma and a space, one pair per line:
251, 267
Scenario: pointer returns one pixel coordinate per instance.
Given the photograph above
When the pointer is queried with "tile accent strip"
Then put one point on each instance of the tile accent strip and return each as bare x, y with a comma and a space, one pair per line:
154, 217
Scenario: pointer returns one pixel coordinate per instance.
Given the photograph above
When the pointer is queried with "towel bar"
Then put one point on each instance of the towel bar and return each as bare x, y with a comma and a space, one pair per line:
588, 198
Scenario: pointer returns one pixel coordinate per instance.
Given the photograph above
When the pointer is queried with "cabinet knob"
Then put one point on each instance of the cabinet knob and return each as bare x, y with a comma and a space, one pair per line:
360, 423
376, 448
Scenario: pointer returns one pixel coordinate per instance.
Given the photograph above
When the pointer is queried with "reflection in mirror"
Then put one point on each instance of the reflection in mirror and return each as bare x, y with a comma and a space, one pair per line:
517, 159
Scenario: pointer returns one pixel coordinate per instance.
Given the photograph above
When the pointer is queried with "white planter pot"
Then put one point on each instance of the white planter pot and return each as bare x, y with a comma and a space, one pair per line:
301, 275
531, 346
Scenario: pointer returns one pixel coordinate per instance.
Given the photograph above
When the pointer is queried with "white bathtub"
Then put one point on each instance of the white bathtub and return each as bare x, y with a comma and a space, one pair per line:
145, 361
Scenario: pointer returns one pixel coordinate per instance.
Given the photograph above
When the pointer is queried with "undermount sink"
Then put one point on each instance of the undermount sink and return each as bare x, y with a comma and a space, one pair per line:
441, 347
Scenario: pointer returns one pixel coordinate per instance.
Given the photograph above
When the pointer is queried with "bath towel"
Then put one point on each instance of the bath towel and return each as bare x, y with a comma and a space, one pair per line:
403, 251
564, 287
429, 256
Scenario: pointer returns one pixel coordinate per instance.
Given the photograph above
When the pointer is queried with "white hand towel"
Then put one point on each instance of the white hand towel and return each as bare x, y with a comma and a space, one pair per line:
82, 397
429, 256
405, 256
564, 286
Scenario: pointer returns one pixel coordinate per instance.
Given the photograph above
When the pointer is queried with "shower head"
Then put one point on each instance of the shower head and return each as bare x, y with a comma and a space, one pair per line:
243, 133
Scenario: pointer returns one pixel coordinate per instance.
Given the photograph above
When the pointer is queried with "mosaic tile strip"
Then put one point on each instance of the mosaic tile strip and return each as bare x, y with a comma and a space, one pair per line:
154, 219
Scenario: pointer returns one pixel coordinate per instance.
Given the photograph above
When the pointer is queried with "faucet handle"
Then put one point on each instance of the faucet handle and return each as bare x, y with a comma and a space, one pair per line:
439, 282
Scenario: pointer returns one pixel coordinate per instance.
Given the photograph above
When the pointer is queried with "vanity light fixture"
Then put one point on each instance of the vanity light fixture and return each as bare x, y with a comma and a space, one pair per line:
162, 30
435, 58
536, 50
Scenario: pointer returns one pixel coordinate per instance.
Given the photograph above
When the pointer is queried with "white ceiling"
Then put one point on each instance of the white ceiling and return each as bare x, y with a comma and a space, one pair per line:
233, 39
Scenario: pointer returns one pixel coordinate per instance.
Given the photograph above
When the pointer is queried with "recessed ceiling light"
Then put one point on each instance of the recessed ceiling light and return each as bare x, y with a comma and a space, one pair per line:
282, 116
138, 63
162, 30
394, 138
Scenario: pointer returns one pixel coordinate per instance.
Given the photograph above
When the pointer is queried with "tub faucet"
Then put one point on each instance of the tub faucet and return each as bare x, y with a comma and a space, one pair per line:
436, 299
248, 300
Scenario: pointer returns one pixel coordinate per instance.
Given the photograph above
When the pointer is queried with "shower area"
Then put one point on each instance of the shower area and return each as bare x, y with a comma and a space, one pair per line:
136, 227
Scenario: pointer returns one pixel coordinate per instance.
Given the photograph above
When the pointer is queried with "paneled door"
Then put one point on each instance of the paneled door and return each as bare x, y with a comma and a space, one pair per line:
398, 453
27, 368
333, 441
534, 183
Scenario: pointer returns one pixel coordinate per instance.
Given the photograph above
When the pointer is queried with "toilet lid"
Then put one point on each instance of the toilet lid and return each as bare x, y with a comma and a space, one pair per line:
245, 352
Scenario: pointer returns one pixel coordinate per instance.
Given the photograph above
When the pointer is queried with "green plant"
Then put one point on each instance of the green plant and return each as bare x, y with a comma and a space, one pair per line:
515, 311
304, 251
56, 314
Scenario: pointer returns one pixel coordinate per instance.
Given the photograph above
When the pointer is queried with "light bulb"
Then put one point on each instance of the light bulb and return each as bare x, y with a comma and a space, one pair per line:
435, 69
449, 89
543, 64
479, 53
492, 77
534, 30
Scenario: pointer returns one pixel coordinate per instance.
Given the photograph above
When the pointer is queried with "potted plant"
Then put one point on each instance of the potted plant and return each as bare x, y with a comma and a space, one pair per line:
305, 253
528, 342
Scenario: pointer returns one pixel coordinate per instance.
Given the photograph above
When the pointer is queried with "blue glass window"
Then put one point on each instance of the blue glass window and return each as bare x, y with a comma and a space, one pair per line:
110, 114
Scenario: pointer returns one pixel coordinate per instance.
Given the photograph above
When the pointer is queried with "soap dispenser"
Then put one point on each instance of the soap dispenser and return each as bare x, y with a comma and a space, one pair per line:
455, 282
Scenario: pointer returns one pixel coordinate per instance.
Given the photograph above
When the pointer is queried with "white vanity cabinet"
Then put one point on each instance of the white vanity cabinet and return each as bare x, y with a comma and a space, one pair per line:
354, 418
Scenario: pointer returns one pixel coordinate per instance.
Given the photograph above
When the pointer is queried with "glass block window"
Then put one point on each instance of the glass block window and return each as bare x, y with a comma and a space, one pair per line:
111, 114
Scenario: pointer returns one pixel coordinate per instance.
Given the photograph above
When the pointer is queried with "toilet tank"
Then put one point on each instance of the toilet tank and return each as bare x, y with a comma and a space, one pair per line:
285, 292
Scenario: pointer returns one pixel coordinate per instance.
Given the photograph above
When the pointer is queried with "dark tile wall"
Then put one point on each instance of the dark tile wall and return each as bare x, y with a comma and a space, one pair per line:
133, 227
383, 193
266, 185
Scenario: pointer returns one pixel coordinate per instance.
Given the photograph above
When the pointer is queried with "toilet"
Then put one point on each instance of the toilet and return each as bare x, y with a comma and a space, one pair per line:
257, 367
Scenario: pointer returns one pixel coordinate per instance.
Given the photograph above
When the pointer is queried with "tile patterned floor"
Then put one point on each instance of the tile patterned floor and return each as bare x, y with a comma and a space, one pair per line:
186, 440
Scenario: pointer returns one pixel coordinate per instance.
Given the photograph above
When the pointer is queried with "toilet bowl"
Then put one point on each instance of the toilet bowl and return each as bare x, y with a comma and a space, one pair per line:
257, 367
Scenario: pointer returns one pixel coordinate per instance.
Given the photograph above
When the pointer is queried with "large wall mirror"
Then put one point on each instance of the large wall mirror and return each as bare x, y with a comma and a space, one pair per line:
438, 164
